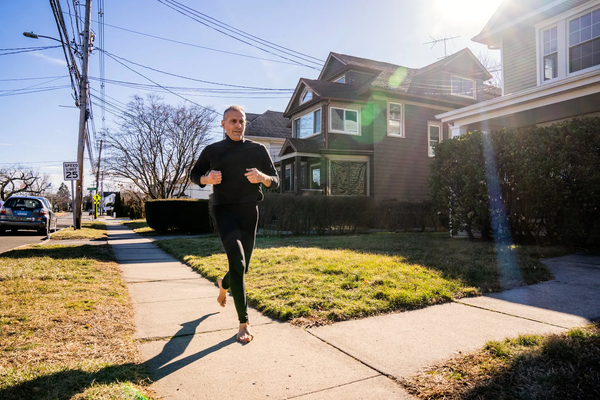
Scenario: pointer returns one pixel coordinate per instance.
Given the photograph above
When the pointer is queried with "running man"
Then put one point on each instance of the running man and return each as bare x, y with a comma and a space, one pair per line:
237, 168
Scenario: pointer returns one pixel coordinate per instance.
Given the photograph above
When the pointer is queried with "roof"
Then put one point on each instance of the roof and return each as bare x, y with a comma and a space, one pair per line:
300, 146
513, 12
271, 124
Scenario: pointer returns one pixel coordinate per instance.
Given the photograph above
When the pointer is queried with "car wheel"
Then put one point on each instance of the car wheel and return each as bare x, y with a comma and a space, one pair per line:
2, 230
45, 230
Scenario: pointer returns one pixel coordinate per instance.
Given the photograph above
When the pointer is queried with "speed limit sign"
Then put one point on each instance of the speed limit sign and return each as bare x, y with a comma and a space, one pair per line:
71, 171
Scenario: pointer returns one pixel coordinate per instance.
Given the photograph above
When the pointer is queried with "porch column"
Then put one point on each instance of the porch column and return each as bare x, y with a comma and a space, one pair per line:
297, 175
458, 130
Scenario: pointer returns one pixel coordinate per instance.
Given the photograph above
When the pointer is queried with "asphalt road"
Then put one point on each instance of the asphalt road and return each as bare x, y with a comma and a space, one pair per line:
10, 240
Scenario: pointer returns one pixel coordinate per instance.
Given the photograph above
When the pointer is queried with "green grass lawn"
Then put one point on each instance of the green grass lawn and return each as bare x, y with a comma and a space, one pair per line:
319, 279
140, 226
66, 326
89, 230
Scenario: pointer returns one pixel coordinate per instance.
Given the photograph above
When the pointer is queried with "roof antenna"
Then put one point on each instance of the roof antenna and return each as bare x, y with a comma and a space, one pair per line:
436, 41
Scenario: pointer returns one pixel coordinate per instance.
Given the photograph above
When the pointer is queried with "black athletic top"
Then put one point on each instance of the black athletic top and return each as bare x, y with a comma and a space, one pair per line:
232, 158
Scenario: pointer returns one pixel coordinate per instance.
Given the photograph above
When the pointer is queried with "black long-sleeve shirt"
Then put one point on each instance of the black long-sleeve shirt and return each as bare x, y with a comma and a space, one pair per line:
232, 158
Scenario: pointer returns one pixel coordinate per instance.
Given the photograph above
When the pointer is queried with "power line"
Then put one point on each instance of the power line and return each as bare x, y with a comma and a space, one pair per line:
174, 5
18, 50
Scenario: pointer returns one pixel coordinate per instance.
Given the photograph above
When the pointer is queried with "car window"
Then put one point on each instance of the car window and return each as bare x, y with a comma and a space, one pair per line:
27, 203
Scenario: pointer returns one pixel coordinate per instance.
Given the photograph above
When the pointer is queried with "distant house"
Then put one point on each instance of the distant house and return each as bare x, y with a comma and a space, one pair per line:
368, 128
270, 128
550, 53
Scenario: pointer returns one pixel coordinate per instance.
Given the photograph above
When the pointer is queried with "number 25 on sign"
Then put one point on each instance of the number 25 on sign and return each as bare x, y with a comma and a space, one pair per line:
71, 171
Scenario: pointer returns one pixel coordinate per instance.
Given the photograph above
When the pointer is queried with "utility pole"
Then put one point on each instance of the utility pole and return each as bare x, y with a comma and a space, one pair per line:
98, 176
83, 113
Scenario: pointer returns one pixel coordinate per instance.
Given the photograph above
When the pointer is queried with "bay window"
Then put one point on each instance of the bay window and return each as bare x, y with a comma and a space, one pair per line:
344, 121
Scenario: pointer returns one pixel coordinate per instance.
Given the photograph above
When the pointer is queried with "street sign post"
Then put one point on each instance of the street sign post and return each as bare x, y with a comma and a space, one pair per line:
71, 173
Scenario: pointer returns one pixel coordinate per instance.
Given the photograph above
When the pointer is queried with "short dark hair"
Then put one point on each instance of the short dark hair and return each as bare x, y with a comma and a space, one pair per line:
234, 108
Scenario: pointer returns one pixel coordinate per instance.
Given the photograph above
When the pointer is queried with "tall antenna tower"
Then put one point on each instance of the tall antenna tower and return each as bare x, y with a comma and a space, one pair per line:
436, 41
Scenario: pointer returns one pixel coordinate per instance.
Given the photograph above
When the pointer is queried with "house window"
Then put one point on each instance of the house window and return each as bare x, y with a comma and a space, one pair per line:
463, 87
550, 38
395, 125
344, 121
568, 44
306, 96
434, 136
341, 79
315, 176
308, 124
584, 41
348, 178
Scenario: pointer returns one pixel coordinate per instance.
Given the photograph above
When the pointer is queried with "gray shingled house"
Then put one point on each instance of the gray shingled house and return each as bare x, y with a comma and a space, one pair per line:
368, 128
550, 51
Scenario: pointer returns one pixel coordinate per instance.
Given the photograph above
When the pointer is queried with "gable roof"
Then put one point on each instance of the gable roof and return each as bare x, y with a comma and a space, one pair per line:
477, 69
514, 12
271, 124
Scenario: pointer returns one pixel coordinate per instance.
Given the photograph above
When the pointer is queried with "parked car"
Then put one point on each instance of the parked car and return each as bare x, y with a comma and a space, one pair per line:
27, 212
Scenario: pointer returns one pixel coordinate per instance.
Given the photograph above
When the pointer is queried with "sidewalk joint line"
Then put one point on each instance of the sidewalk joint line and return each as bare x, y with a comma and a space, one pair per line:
511, 315
165, 280
333, 387
392, 377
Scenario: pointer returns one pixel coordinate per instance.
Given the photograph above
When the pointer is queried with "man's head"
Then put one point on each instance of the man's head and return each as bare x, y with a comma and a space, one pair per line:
234, 122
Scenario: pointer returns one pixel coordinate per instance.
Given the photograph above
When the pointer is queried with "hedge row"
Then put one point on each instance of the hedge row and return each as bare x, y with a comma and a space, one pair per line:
188, 215
535, 184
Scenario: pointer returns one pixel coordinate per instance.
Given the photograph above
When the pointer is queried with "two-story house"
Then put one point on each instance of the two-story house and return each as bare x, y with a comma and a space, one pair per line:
368, 128
550, 52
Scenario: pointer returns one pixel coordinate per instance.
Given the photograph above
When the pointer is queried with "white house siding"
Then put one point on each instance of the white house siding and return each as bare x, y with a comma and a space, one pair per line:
518, 59
196, 192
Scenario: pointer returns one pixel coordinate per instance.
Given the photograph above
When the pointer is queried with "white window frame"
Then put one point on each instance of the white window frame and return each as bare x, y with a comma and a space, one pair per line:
429, 125
345, 132
561, 22
317, 125
387, 121
337, 80
473, 81
304, 93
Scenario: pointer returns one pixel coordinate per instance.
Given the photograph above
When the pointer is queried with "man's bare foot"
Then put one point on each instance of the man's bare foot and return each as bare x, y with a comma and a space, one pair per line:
222, 298
244, 335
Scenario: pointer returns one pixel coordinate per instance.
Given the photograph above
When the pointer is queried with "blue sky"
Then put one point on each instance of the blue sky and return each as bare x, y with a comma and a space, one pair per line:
39, 129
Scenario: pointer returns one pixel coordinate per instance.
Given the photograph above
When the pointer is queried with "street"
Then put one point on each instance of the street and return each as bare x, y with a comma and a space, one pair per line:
10, 240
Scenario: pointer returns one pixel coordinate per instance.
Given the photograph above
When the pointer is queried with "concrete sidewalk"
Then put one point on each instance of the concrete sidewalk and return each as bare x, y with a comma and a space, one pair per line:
188, 340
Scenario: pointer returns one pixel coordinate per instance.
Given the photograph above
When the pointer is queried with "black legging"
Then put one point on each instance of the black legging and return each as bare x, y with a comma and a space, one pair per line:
237, 228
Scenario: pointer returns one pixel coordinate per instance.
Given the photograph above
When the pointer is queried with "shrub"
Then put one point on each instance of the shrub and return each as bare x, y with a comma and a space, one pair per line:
541, 183
406, 216
189, 215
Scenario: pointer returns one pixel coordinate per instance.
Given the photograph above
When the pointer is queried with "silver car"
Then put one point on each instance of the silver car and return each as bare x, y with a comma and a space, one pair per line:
27, 212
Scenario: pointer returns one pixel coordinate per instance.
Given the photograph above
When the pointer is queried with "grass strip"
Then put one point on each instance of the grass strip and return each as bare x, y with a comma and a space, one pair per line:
66, 326
316, 280
89, 230
565, 366
140, 226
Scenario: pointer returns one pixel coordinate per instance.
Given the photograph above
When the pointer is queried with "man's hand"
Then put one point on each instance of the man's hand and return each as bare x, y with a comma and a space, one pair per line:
255, 176
212, 178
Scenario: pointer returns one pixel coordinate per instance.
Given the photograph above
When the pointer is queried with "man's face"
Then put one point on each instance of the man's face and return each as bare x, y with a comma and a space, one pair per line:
234, 125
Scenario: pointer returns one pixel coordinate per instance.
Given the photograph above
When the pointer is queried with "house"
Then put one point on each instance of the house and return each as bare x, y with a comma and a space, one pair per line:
270, 128
368, 128
550, 53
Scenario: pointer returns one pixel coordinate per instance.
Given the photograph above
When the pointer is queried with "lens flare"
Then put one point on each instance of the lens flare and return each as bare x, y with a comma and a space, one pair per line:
506, 256
398, 78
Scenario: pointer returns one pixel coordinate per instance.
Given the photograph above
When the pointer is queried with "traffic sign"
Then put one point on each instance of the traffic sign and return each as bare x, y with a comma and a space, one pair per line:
92, 188
71, 171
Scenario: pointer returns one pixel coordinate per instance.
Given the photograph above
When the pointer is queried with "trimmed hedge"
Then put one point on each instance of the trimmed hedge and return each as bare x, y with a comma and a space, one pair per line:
531, 185
189, 215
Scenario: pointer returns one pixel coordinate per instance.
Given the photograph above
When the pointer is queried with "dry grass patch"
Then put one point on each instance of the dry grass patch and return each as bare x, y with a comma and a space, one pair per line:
316, 280
565, 366
89, 230
66, 326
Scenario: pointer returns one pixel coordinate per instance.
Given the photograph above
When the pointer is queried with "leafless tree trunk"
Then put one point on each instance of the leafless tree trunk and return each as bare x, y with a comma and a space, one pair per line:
157, 144
21, 180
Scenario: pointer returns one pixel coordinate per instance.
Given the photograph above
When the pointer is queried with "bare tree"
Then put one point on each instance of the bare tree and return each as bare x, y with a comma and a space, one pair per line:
16, 179
494, 67
156, 145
